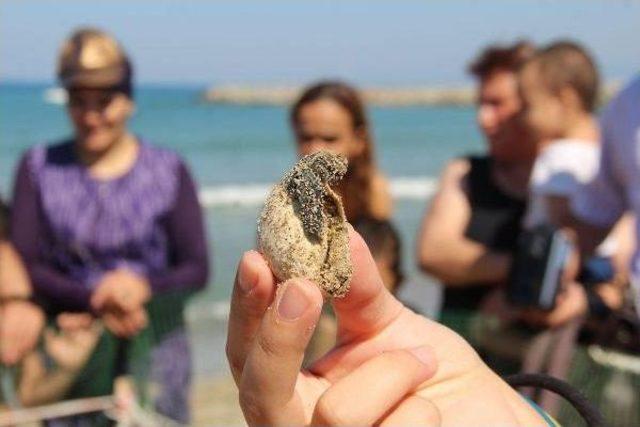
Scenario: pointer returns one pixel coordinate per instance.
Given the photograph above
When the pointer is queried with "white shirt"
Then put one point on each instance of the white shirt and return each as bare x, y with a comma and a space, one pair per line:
560, 170
616, 187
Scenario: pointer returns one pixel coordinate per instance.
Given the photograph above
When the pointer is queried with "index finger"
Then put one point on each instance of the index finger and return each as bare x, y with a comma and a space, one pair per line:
253, 291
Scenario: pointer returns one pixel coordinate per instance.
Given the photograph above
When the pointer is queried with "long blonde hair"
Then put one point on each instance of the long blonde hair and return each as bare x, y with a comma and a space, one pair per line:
356, 187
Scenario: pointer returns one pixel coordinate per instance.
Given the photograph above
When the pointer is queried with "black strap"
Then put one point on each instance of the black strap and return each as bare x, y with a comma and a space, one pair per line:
597, 306
589, 413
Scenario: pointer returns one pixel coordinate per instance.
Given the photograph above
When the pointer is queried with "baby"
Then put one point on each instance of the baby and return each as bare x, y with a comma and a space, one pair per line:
559, 89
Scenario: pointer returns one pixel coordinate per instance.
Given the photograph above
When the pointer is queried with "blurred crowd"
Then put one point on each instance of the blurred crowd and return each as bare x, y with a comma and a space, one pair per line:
104, 243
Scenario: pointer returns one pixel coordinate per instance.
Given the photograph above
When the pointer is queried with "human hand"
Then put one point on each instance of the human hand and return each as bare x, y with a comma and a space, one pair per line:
14, 279
125, 324
390, 365
120, 298
72, 346
121, 289
126, 403
20, 325
571, 267
571, 304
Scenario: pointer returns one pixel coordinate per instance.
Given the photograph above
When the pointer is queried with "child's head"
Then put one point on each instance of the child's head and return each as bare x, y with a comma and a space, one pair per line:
384, 243
558, 84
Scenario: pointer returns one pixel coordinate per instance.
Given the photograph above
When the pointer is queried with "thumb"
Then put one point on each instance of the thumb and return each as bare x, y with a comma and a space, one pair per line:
267, 386
368, 307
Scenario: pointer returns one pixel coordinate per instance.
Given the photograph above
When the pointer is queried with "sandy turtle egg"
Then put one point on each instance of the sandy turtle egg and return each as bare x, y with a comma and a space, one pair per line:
302, 230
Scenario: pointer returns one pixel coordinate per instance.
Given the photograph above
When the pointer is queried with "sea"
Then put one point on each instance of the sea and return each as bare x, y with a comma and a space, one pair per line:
237, 152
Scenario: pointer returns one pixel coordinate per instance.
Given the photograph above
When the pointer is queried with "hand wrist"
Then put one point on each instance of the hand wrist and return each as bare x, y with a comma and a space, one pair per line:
7, 299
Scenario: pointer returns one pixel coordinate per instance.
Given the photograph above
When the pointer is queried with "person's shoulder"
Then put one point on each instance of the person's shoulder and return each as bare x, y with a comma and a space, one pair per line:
151, 149
454, 176
54, 152
477, 158
162, 158
458, 168
65, 145
381, 200
165, 164
628, 99
631, 92
380, 181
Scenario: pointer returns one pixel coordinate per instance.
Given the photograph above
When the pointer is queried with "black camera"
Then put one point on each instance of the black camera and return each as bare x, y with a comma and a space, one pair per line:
535, 277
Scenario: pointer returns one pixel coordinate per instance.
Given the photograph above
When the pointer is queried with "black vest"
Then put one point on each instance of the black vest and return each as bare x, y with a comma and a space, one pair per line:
496, 220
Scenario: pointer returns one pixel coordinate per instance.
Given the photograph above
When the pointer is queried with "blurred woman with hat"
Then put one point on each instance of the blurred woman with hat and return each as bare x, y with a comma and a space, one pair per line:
107, 223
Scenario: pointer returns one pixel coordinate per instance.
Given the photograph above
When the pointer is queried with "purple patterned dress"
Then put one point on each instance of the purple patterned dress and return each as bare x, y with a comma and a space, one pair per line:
71, 229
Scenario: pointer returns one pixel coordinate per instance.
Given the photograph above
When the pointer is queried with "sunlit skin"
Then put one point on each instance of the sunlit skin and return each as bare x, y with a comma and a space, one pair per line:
543, 112
498, 101
20, 320
366, 379
99, 119
385, 268
326, 125
498, 105
324, 337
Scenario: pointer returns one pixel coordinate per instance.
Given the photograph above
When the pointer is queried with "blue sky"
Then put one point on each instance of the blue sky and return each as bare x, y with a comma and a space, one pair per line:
370, 42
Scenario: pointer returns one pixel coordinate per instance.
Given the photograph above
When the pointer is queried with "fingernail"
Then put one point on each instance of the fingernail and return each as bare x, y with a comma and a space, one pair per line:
423, 354
293, 301
246, 283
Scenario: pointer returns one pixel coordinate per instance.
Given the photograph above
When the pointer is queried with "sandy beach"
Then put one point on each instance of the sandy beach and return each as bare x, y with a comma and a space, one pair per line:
214, 394
215, 402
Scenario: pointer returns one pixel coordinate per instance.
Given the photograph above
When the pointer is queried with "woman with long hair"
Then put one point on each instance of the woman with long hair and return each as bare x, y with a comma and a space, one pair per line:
330, 115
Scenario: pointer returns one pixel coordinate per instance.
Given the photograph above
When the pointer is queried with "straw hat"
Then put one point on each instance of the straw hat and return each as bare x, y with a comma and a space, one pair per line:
91, 58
